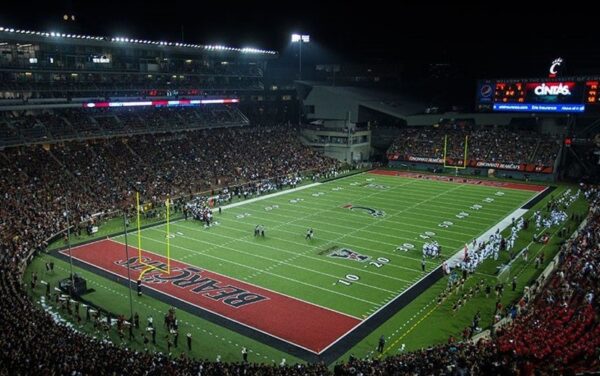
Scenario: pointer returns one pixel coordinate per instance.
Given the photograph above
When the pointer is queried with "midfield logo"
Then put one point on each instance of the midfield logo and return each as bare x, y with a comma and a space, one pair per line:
373, 212
191, 278
347, 253
376, 186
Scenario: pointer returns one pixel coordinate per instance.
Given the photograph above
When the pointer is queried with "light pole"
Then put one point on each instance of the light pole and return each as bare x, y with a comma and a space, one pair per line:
128, 264
300, 39
69, 246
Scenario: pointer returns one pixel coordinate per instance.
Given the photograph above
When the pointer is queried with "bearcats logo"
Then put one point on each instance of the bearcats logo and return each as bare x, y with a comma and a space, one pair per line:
373, 212
375, 186
348, 254
191, 278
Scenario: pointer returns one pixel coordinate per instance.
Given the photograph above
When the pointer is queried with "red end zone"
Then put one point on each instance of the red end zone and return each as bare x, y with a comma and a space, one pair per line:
461, 180
303, 324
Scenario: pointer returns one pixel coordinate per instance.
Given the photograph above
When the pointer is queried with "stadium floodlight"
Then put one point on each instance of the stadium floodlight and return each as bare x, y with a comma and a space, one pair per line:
300, 39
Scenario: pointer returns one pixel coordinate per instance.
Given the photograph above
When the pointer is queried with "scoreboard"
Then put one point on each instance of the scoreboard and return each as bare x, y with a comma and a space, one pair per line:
565, 95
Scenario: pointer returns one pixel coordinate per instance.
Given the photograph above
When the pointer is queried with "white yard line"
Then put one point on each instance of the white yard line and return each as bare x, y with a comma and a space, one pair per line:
435, 216
416, 259
257, 269
318, 259
334, 277
429, 227
270, 195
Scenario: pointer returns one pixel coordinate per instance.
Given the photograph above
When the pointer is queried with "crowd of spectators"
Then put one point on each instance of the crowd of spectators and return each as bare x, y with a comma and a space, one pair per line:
101, 175
557, 331
561, 327
490, 144
33, 343
183, 80
68, 124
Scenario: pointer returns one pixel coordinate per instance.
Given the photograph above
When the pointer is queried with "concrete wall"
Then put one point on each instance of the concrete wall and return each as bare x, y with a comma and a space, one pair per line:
331, 106
354, 153
345, 152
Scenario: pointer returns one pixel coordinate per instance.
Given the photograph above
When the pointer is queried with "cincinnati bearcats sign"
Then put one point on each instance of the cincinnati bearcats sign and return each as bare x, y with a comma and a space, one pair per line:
554, 67
191, 279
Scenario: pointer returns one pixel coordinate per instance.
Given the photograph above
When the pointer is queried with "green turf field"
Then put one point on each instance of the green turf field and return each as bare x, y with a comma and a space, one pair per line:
286, 262
395, 212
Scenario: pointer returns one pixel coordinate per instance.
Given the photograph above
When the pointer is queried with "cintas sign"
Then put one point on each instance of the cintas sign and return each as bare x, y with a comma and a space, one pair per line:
552, 89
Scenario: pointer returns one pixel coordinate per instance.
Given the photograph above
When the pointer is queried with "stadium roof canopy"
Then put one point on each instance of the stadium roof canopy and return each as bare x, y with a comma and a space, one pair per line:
120, 41
332, 105
335, 102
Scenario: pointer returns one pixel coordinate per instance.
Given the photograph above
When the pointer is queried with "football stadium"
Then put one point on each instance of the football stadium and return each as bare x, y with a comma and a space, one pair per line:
174, 206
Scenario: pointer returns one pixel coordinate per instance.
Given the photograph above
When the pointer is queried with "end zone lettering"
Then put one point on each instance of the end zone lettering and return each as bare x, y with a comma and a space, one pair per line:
191, 278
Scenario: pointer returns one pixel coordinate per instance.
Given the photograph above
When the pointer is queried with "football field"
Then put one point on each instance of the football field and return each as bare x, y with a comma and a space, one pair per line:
367, 250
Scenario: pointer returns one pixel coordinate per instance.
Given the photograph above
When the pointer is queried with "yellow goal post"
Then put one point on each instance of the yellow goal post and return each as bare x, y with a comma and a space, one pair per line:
464, 165
164, 268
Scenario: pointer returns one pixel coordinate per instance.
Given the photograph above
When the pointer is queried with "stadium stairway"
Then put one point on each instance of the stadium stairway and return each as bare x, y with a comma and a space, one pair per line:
136, 155
62, 165
531, 158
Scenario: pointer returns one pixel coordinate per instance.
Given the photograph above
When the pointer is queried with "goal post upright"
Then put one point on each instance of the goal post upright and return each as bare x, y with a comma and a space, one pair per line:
445, 146
150, 267
139, 232
466, 149
168, 205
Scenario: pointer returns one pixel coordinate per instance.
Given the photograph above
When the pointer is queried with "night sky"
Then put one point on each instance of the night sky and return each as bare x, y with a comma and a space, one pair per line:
498, 40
